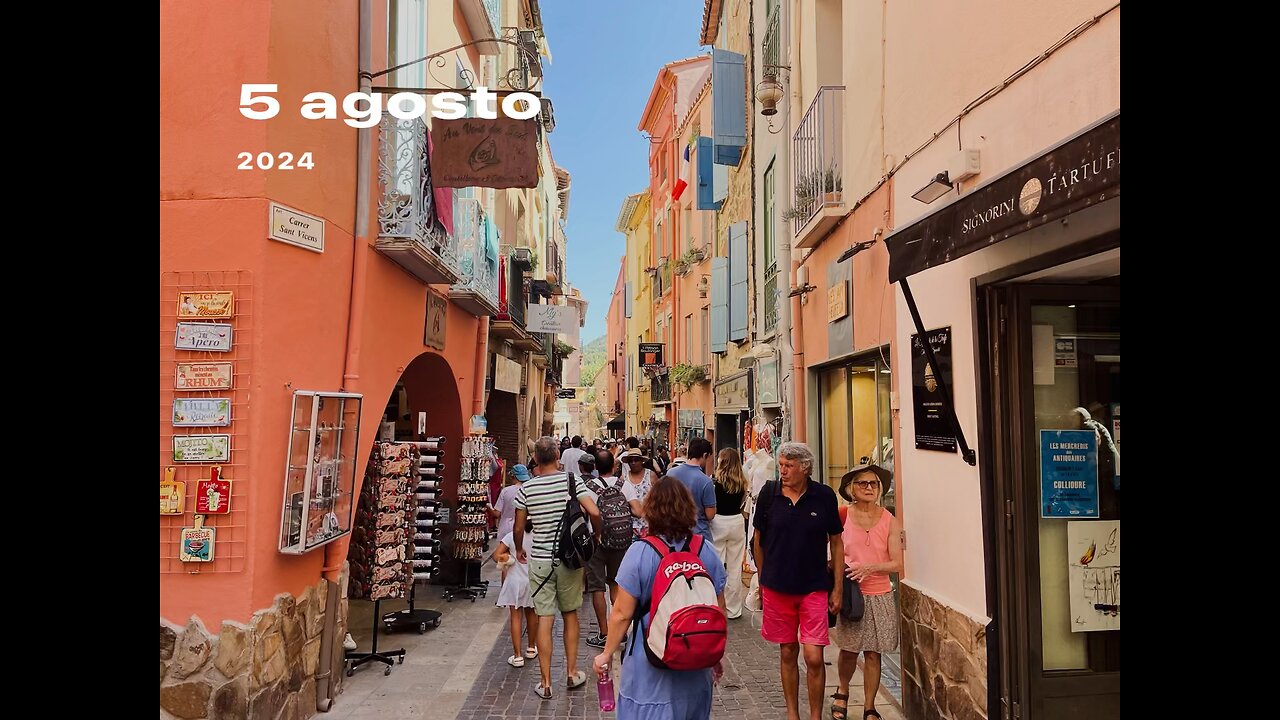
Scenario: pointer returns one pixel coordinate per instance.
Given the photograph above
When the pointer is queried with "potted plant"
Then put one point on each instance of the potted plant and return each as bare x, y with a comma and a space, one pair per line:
682, 265
563, 349
831, 186
686, 376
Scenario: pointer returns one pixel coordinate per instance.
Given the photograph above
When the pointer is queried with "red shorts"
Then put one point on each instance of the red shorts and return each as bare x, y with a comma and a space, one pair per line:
789, 616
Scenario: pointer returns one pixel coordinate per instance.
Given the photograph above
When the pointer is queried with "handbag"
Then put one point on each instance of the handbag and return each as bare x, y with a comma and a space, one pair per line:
853, 606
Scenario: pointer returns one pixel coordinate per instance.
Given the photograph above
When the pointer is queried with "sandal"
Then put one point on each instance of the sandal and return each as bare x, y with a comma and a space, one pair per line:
577, 680
868, 713
531, 653
840, 712
515, 661
543, 693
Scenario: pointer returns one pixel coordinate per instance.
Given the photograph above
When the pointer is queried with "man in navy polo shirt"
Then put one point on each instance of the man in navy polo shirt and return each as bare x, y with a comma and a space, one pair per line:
693, 475
797, 520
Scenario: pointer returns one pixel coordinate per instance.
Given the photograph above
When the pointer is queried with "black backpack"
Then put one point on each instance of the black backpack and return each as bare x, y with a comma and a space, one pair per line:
574, 545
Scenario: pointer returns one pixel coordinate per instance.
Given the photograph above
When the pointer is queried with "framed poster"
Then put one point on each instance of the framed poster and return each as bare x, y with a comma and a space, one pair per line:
933, 423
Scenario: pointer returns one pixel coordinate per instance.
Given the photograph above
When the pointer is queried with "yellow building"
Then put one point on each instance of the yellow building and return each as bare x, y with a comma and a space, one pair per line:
633, 221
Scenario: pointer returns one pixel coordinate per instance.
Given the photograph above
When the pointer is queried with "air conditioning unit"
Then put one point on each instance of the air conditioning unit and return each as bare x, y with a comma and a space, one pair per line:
548, 115
523, 256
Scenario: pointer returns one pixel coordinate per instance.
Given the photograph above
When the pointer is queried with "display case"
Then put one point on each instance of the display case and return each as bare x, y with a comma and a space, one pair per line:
319, 479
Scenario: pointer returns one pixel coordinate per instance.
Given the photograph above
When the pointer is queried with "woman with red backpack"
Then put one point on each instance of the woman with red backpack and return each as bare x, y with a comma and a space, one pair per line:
671, 586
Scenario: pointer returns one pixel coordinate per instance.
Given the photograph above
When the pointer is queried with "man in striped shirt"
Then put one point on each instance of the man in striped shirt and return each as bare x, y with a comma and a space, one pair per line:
543, 501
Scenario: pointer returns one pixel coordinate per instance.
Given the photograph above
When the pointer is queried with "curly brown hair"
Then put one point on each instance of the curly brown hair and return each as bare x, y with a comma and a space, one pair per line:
669, 509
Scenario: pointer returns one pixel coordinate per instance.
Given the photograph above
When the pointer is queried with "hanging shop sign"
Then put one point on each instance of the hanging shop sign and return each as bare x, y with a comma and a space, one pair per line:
1068, 474
437, 313
203, 376
206, 305
650, 355
201, 448
214, 337
197, 542
734, 394
173, 494
213, 496
933, 426
201, 412
477, 152
555, 319
296, 228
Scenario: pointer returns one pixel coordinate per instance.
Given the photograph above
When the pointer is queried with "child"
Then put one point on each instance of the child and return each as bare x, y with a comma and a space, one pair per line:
515, 593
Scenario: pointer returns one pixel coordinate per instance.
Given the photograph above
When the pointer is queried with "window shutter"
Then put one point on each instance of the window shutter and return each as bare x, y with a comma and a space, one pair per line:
719, 304
738, 270
729, 98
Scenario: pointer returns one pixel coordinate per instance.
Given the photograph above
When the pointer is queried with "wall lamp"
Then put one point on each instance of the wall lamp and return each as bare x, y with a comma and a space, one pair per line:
857, 248
937, 187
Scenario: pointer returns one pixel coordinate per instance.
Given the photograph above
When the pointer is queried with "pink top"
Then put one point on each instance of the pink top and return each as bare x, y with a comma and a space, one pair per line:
869, 546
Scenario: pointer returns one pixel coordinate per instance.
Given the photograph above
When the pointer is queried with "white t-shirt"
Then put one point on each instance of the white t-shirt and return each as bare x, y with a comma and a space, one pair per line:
506, 504
569, 460
632, 491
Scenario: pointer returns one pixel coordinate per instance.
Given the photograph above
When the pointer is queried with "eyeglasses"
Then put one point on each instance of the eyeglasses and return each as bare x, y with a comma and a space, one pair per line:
867, 484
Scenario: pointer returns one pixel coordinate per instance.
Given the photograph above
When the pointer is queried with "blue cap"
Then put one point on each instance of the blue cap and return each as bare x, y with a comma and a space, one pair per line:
521, 472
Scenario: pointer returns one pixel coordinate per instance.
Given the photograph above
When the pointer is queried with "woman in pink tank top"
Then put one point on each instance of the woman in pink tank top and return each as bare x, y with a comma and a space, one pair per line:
872, 549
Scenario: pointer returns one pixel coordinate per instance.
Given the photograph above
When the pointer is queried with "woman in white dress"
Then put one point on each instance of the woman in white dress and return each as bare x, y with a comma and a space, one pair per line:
514, 594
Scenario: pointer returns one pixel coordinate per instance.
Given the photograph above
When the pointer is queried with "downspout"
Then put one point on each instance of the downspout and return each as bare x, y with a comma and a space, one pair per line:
790, 330
482, 357
335, 553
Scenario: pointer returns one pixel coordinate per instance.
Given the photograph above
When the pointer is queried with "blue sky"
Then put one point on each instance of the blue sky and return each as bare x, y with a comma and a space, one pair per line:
605, 57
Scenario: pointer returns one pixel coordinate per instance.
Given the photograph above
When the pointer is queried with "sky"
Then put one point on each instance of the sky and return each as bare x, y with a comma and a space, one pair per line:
605, 57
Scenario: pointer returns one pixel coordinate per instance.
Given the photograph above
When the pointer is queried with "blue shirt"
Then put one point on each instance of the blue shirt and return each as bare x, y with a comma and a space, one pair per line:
703, 489
647, 691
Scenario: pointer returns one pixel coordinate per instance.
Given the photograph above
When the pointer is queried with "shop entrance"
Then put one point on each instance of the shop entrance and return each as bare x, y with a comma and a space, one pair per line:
1052, 368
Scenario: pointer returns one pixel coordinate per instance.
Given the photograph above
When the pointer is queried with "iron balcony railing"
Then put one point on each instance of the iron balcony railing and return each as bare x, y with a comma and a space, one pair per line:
406, 204
478, 270
769, 46
815, 156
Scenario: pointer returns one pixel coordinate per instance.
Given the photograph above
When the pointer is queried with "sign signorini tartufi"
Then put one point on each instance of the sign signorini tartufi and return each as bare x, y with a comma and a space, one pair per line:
1081, 172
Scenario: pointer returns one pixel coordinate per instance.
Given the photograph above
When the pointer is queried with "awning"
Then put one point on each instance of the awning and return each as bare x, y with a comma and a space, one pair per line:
618, 423
1077, 173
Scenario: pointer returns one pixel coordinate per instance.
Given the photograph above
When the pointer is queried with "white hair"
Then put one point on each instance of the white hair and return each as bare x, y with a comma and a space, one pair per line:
800, 453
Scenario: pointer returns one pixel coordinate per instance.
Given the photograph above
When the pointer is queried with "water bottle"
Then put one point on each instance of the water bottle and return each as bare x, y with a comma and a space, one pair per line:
604, 688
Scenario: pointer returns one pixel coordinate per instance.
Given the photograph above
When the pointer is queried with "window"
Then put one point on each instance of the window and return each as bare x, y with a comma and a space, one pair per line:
705, 343
688, 339
660, 331
406, 35
688, 230
770, 258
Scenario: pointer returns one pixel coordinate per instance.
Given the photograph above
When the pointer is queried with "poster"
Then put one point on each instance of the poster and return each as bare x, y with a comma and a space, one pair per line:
1064, 352
933, 424
1093, 550
1115, 438
1068, 474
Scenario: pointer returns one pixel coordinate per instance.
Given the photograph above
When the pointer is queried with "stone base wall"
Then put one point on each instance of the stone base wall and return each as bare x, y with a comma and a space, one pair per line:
261, 671
944, 660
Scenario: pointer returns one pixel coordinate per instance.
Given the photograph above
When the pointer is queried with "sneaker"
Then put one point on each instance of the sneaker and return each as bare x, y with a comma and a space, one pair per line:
349, 643
596, 640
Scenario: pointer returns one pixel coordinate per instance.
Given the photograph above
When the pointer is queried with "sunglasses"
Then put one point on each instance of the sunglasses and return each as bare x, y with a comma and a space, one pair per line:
867, 484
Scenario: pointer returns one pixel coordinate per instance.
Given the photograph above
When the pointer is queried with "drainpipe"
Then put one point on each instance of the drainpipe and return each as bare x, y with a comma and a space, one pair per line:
335, 553
789, 337
482, 356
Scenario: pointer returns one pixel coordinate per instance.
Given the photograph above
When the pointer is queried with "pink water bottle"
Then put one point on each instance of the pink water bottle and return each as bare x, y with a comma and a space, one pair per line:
604, 688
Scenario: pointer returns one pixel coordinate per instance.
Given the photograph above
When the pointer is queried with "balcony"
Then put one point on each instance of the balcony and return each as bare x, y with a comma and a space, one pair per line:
476, 290
769, 47
660, 388
817, 147
513, 302
409, 233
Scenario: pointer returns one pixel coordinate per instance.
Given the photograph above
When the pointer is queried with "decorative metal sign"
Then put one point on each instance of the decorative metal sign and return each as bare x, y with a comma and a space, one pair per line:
201, 412
206, 305
215, 337
201, 448
203, 376
173, 494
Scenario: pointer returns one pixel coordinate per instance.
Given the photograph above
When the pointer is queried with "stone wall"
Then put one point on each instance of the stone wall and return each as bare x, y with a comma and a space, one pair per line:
264, 670
944, 660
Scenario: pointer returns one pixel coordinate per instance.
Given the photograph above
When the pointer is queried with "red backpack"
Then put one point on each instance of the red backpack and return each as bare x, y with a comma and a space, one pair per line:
687, 629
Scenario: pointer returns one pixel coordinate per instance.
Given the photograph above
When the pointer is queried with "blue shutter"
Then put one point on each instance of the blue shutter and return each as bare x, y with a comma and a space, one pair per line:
738, 281
626, 301
719, 304
706, 176
729, 98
